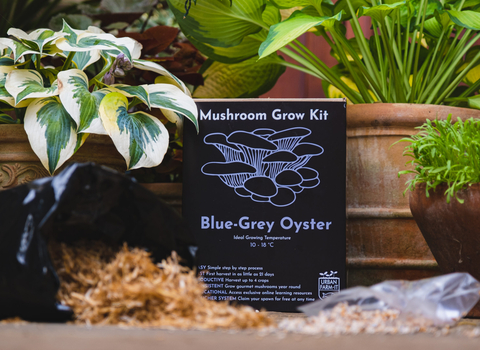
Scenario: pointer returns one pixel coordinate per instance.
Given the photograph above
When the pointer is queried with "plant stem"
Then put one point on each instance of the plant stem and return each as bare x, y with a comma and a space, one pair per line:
68, 61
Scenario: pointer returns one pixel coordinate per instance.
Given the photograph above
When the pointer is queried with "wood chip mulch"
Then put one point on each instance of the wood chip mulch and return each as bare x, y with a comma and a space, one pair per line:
108, 286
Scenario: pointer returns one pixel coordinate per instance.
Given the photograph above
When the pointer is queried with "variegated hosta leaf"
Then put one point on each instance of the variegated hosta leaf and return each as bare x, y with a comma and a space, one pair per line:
18, 49
154, 67
175, 118
79, 102
83, 59
36, 40
6, 119
141, 92
28, 83
140, 138
4, 95
167, 96
86, 41
51, 132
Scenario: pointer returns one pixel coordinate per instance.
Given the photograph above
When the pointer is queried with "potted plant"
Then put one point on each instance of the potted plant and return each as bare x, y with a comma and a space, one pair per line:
420, 61
445, 191
47, 84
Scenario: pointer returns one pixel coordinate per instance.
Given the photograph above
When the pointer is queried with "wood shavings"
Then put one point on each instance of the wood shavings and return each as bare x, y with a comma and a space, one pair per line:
351, 320
104, 286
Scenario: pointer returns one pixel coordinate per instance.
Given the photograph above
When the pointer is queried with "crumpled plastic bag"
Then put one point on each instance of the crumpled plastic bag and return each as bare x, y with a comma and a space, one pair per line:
85, 201
442, 300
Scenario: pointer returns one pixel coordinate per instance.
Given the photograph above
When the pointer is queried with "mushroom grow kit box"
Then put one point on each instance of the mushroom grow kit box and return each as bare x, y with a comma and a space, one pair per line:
264, 194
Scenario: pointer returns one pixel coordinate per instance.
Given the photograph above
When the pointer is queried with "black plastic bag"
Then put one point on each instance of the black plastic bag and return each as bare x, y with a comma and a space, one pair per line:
85, 201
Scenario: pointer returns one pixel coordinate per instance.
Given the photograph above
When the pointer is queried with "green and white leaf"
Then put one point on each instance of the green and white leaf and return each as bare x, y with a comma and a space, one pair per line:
140, 92
51, 132
83, 59
18, 49
170, 97
37, 39
245, 79
79, 102
28, 83
156, 68
297, 24
140, 138
86, 41
4, 94
220, 23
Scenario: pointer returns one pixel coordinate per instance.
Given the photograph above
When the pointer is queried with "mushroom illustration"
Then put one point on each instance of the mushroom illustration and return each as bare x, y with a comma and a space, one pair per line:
310, 177
284, 197
264, 132
288, 178
276, 162
253, 147
288, 139
230, 152
261, 186
305, 151
233, 174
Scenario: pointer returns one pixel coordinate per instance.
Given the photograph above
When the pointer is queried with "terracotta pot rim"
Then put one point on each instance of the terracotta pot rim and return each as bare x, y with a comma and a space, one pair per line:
402, 114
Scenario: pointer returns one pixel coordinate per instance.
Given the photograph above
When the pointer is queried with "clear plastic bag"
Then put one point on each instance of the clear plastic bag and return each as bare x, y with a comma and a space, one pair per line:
442, 300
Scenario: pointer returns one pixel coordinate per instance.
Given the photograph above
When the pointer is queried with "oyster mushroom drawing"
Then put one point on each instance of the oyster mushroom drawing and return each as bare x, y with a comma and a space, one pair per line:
253, 147
265, 165
230, 152
233, 174
287, 139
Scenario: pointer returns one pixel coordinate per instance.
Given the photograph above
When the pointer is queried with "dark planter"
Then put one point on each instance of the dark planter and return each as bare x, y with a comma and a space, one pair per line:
451, 230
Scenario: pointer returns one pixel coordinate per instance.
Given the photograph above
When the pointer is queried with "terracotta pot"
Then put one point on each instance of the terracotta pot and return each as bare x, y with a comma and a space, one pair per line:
450, 229
19, 164
383, 240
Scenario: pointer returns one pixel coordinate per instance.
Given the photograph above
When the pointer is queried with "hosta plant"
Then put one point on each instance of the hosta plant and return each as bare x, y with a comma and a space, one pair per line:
420, 51
46, 83
444, 152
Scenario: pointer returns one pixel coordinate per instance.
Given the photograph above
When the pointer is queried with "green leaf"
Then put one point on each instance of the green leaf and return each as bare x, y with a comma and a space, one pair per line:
248, 48
6, 119
288, 4
79, 102
297, 24
245, 79
218, 23
474, 102
51, 132
466, 19
271, 15
379, 12
140, 138
23, 84
167, 96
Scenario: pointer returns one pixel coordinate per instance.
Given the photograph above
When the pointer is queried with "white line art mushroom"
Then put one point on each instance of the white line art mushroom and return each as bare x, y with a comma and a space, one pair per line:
253, 147
233, 174
288, 139
305, 151
276, 162
230, 152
